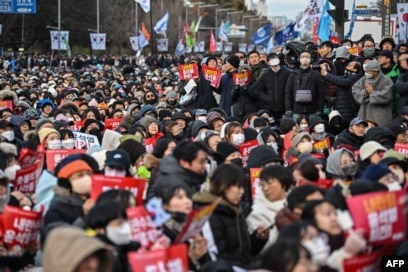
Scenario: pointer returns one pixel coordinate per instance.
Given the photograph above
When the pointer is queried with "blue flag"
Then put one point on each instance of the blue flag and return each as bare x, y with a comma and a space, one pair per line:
286, 34
262, 35
353, 19
324, 25
161, 25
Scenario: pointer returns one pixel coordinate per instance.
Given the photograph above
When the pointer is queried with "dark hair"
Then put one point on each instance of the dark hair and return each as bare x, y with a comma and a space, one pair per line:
309, 211
102, 213
161, 145
225, 176
300, 118
5, 159
253, 52
307, 169
168, 192
187, 150
297, 196
133, 148
295, 231
167, 126
120, 196
117, 103
64, 132
279, 172
94, 110
283, 255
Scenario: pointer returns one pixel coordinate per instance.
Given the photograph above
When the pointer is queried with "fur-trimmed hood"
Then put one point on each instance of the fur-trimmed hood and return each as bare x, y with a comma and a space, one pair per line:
9, 95
69, 106
150, 161
30, 135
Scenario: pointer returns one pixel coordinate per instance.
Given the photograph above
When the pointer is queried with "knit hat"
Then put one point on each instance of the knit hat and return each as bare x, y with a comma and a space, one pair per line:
89, 122
42, 122
73, 167
31, 113
298, 137
374, 172
373, 65
118, 158
234, 61
225, 149
244, 67
250, 134
368, 148
44, 132
286, 125
386, 53
212, 116
262, 155
211, 57
163, 114
180, 115
171, 94
147, 120
17, 120
146, 109
342, 53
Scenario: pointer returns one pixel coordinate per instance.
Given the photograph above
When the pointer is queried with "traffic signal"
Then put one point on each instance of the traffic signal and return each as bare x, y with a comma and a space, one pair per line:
339, 14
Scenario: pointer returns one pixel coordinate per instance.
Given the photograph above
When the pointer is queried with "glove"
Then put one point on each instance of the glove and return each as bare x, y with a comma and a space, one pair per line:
355, 242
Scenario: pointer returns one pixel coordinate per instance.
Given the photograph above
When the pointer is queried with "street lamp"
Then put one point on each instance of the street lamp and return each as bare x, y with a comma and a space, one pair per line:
97, 16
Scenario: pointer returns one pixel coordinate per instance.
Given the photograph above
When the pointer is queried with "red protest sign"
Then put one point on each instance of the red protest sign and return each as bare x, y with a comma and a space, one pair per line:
55, 156
380, 215
171, 259
150, 143
195, 222
322, 145
241, 79
101, 183
31, 163
401, 148
28, 157
323, 183
4, 104
141, 225
245, 149
355, 51
188, 71
213, 75
20, 229
112, 123
366, 262
77, 125
254, 174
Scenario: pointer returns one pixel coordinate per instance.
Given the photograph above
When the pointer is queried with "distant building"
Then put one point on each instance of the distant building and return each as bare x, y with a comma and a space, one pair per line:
279, 21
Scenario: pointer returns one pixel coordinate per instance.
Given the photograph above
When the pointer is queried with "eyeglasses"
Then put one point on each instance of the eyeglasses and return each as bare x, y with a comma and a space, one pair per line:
149, 96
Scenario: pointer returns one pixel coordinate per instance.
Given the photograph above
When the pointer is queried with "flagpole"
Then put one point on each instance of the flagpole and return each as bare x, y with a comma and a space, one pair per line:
151, 31
136, 24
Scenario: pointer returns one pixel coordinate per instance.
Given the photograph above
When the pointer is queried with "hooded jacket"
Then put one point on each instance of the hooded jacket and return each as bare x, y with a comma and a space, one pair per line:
229, 231
348, 138
263, 214
171, 172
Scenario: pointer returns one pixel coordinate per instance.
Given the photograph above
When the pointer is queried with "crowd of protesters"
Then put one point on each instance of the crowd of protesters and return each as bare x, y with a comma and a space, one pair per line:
325, 120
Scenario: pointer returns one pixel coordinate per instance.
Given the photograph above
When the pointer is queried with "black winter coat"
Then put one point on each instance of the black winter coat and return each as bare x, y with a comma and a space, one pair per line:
345, 102
305, 79
348, 138
401, 87
244, 99
229, 232
271, 88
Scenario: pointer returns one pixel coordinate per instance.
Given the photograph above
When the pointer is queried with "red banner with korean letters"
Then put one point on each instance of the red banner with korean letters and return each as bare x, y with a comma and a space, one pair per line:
172, 259
254, 174
380, 215
366, 262
355, 51
245, 149
20, 229
77, 125
188, 71
55, 156
141, 225
401, 148
4, 104
112, 123
322, 145
213, 75
241, 79
101, 183
31, 163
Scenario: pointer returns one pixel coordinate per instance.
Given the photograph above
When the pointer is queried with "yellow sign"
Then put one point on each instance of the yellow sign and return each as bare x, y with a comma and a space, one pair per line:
386, 2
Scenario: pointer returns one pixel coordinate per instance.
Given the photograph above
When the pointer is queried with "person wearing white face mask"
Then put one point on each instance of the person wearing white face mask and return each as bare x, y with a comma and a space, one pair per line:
50, 137
67, 139
397, 163
271, 86
301, 143
321, 139
381, 174
373, 92
117, 163
7, 135
234, 134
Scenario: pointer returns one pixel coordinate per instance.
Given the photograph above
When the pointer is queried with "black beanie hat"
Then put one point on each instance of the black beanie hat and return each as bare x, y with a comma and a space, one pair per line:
164, 113
225, 149
234, 61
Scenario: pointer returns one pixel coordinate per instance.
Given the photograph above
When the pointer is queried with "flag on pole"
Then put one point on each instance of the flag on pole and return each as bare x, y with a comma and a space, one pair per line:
301, 23
98, 41
213, 44
402, 21
269, 46
145, 32
197, 25
187, 33
324, 25
222, 32
161, 25
67, 46
142, 40
315, 27
57, 42
134, 41
286, 34
191, 39
180, 48
145, 4
353, 20
262, 34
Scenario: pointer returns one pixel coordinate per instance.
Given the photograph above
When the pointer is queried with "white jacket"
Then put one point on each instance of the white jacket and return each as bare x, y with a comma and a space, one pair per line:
263, 214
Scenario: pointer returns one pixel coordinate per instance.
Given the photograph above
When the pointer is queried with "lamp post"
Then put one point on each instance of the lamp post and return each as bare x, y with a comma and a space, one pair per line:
97, 16
59, 26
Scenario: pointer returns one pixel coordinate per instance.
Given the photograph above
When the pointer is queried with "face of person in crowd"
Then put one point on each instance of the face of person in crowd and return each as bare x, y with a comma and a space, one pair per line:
387, 46
391, 181
181, 123
118, 114
273, 190
170, 148
47, 109
23, 200
376, 156
263, 57
305, 145
150, 98
326, 219
253, 59
90, 115
237, 136
24, 127
112, 171
53, 141
233, 194
77, 117
402, 138
368, 44
398, 172
358, 130
6, 115
325, 51
91, 126
213, 141
180, 202
234, 158
153, 128
212, 63
402, 59
198, 165
305, 60
303, 125
219, 64
218, 125
81, 183
69, 97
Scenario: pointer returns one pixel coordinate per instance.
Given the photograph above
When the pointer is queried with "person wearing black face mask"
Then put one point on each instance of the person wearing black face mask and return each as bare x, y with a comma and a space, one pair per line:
230, 153
344, 101
171, 100
150, 98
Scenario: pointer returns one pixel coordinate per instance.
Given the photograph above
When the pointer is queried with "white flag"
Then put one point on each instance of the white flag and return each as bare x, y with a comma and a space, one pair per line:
197, 25
300, 25
402, 28
197, 47
162, 45
98, 41
242, 47
142, 40
188, 50
58, 43
145, 4
134, 41
228, 47
180, 48
251, 47
202, 46
316, 10
161, 25
219, 47
222, 35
